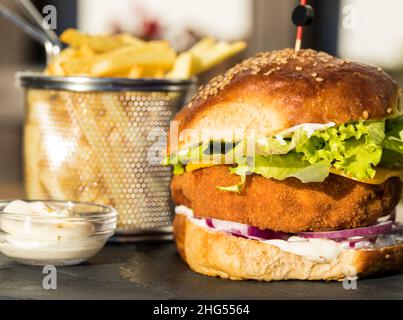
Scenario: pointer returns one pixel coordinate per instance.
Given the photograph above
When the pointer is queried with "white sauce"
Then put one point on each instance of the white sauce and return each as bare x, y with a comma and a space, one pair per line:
309, 128
318, 250
184, 210
280, 140
51, 238
61, 253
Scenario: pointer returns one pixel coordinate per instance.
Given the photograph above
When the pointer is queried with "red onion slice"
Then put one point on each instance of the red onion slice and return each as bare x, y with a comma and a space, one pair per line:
251, 232
209, 223
238, 235
382, 227
266, 234
244, 230
228, 226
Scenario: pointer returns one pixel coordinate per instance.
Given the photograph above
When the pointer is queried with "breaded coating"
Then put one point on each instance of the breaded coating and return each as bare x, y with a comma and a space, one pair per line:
288, 205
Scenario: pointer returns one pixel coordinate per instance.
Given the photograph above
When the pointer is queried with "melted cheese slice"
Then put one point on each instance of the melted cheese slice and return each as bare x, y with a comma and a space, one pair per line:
381, 175
195, 166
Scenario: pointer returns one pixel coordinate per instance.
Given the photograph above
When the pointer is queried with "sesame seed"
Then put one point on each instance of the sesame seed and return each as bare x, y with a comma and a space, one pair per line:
387, 256
389, 110
298, 68
267, 73
379, 69
319, 79
365, 114
314, 74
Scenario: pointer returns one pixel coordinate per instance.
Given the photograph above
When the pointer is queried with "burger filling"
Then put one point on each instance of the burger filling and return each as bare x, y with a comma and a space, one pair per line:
366, 151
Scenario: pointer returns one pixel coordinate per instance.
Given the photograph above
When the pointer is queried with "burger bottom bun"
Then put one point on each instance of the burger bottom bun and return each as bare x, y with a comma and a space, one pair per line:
219, 254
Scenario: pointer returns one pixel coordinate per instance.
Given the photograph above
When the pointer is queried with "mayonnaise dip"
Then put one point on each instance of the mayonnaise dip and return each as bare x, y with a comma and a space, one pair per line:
38, 231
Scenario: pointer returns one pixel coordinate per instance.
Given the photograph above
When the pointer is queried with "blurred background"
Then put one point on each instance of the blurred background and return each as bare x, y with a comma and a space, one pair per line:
365, 30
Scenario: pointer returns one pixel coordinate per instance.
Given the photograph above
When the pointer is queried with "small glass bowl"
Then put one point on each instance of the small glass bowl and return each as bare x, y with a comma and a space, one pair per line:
58, 240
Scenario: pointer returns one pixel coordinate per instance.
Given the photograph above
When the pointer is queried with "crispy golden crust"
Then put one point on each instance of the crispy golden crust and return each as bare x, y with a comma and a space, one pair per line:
288, 205
226, 256
277, 90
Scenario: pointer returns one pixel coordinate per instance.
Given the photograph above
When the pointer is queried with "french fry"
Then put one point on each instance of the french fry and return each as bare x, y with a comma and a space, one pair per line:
84, 52
202, 46
128, 39
156, 54
135, 72
98, 43
124, 55
151, 72
145, 72
78, 62
68, 53
55, 69
183, 66
121, 74
216, 54
77, 66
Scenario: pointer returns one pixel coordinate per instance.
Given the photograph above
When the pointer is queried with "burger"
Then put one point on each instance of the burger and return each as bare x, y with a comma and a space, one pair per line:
287, 167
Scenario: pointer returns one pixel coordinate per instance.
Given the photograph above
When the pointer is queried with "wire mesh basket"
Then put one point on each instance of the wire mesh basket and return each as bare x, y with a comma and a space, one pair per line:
88, 139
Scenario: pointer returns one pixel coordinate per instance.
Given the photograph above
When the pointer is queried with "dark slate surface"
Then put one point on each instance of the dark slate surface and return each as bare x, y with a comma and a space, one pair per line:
155, 271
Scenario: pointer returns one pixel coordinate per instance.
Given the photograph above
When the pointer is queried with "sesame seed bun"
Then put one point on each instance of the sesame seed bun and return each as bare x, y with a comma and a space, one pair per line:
276, 90
216, 253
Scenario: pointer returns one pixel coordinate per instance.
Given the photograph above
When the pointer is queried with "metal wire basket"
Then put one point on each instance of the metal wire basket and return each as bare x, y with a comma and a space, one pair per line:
88, 139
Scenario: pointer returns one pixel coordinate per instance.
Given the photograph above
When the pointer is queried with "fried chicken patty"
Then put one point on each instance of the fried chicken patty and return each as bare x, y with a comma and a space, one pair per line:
288, 205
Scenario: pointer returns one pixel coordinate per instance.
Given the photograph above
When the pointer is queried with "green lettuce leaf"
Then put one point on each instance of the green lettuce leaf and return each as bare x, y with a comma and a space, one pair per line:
241, 170
279, 144
394, 135
354, 148
393, 144
281, 167
391, 160
178, 169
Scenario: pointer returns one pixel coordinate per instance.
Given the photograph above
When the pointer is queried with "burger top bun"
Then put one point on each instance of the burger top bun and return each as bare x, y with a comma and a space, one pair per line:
276, 90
